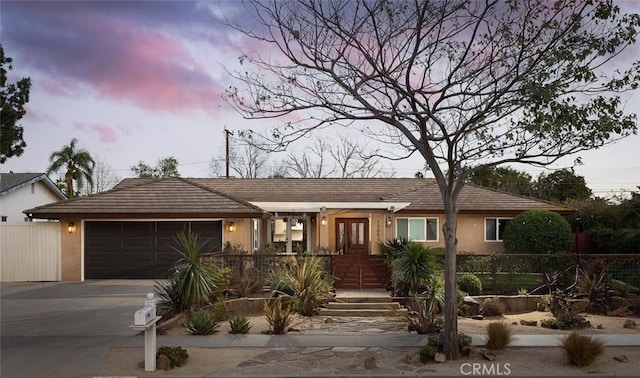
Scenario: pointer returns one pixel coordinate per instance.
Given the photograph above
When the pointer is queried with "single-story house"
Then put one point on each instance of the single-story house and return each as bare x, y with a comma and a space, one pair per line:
126, 232
19, 191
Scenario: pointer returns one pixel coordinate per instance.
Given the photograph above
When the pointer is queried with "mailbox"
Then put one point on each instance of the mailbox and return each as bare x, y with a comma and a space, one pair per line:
143, 316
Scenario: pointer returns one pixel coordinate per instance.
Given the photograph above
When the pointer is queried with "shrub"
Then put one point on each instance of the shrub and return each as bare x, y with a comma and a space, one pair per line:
203, 322
560, 307
424, 309
594, 283
470, 283
413, 267
221, 311
239, 325
538, 231
250, 283
169, 301
499, 335
435, 344
492, 307
176, 355
581, 350
278, 314
305, 281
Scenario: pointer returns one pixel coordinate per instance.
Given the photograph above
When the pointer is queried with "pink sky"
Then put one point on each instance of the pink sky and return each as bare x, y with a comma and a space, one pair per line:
141, 80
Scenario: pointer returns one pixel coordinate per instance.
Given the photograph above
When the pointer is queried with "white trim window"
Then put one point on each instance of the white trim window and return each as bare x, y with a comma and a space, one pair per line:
417, 229
494, 229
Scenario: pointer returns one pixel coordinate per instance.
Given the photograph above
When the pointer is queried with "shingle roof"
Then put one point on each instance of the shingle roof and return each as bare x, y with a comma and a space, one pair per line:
148, 198
207, 196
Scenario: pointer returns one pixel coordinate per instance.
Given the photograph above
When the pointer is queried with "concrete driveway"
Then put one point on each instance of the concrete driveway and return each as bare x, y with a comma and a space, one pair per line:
65, 329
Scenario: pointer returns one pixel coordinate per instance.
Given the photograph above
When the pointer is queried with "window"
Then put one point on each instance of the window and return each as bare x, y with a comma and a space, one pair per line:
494, 228
4, 218
417, 229
256, 234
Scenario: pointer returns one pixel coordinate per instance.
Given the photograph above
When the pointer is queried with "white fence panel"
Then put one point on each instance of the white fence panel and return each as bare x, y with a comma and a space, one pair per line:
30, 251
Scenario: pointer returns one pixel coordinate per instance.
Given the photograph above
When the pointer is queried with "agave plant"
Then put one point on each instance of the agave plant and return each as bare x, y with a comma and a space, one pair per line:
239, 325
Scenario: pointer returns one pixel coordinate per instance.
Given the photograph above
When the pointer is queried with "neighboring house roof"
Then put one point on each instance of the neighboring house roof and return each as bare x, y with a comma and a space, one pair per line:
10, 182
200, 197
162, 198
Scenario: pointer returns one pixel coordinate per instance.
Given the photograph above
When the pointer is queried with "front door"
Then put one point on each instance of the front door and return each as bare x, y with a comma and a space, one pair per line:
352, 236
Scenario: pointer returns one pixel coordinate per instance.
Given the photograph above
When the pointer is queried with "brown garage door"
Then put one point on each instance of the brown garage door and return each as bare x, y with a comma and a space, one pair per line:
139, 249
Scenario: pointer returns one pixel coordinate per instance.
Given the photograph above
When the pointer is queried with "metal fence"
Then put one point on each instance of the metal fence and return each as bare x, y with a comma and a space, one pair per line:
500, 273
258, 265
507, 274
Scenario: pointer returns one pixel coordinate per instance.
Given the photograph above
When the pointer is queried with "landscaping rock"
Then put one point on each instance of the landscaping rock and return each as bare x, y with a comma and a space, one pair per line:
370, 363
630, 324
328, 320
477, 317
514, 323
163, 363
530, 323
621, 358
488, 355
440, 357
473, 306
600, 326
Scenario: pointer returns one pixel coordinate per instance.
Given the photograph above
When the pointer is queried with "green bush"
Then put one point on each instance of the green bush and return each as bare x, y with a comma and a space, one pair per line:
176, 355
239, 325
436, 345
538, 231
203, 322
469, 283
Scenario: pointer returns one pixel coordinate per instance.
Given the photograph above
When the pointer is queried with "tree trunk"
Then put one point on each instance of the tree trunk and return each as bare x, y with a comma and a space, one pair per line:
69, 180
451, 296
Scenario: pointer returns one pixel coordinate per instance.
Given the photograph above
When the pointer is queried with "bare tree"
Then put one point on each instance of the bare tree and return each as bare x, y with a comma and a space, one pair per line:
464, 83
313, 161
103, 176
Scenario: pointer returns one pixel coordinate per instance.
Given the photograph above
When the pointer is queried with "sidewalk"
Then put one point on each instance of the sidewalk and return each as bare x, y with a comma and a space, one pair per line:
393, 341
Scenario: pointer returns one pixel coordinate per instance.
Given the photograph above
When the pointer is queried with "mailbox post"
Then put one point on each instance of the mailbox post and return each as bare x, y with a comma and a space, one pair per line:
145, 320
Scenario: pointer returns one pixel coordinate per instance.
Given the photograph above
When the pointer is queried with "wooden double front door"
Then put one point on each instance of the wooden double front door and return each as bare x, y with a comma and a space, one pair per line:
352, 236
354, 267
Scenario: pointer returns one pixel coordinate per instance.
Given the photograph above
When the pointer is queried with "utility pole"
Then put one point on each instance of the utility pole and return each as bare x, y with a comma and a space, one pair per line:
226, 135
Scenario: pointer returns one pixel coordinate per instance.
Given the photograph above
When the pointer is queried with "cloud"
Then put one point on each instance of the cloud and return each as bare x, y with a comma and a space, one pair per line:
127, 51
105, 133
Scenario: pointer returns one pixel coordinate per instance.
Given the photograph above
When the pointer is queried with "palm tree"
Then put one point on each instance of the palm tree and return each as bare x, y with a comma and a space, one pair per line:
78, 163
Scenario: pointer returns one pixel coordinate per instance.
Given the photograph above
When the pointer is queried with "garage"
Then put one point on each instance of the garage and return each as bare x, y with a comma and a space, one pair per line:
139, 249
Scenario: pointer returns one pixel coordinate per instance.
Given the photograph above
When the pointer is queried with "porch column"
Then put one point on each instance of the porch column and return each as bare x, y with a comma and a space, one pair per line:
289, 241
307, 228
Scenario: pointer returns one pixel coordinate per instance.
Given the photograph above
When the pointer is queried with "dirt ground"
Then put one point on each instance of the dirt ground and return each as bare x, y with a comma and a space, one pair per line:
514, 361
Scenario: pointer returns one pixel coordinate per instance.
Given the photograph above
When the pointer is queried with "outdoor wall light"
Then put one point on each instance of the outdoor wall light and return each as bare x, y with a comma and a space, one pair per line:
324, 220
389, 221
231, 226
71, 228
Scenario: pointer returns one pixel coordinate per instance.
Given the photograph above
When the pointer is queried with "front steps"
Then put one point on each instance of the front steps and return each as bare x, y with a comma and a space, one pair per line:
363, 307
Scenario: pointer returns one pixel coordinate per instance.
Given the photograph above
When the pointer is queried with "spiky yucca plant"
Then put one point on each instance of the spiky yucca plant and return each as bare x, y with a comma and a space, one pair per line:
499, 335
239, 325
195, 280
581, 350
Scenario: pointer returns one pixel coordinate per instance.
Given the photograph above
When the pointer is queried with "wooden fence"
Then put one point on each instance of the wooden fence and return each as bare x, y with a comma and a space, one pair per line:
30, 251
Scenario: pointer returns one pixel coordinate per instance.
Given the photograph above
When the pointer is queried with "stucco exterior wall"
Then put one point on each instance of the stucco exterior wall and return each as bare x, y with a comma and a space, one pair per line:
242, 234
71, 266
470, 233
